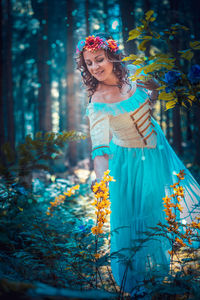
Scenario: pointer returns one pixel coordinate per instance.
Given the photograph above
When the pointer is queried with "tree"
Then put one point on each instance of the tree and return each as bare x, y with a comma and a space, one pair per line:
44, 95
8, 77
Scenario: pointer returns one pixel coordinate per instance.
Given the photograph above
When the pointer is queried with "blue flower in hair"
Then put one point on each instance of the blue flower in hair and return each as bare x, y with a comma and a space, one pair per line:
80, 46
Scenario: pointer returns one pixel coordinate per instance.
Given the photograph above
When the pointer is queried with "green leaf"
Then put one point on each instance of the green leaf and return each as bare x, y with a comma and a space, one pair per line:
187, 55
9, 153
152, 19
195, 45
171, 104
166, 96
133, 34
130, 57
148, 14
147, 37
142, 45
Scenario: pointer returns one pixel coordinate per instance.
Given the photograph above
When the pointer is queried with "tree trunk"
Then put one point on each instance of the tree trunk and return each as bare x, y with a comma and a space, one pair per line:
44, 92
177, 137
89, 144
127, 9
2, 124
71, 100
9, 78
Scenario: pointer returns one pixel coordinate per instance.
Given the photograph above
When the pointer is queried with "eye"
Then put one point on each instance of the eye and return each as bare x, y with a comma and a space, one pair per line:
100, 60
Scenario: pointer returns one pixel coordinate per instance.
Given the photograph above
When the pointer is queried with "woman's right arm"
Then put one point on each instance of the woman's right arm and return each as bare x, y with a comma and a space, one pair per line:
100, 137
100, 165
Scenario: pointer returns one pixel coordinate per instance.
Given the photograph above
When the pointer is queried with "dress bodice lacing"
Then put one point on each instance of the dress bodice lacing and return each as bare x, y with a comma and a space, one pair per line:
129, 122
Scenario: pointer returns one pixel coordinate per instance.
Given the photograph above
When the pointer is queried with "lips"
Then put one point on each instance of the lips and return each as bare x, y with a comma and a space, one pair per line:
99, 73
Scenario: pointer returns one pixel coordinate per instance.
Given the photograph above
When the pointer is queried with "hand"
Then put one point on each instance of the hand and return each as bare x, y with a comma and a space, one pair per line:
150, 84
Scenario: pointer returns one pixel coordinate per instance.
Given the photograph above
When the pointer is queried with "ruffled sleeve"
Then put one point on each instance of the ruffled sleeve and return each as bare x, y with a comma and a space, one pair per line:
99, 131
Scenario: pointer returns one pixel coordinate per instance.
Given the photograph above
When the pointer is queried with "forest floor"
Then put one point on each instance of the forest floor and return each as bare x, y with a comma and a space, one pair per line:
51, 254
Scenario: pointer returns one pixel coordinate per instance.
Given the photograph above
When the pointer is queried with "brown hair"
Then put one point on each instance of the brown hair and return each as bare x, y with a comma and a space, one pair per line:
119, 67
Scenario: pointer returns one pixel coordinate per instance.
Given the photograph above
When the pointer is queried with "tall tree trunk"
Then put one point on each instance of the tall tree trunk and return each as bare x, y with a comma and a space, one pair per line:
146, 7
161, 114
127, 9
195, 12
177, 137
89, 145
2, 131
87, 17
167, 125
71, 100
105, 10
44, 93
9, 78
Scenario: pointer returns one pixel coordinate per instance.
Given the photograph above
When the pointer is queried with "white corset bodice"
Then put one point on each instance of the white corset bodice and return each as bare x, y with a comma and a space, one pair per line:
129, 122
134, 129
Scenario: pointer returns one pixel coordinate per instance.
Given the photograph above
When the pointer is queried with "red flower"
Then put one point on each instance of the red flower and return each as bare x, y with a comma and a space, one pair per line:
112, 45
93, 43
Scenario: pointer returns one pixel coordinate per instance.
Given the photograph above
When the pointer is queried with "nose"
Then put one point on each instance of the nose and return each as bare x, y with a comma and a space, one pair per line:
95, 66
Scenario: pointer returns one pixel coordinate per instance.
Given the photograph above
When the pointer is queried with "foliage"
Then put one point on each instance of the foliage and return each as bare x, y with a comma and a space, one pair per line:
51, 236
33, 154
168, 65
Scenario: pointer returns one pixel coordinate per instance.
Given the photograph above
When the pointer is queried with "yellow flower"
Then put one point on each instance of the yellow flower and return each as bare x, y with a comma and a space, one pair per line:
180, 208
180, 242
97, 255
174, 185
166, 199
181, 174
195, 225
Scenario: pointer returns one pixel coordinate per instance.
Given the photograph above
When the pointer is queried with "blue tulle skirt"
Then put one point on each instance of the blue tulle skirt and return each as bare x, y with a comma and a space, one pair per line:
143, 177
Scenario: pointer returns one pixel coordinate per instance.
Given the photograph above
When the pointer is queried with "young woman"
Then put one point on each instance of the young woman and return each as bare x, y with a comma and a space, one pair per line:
127, 140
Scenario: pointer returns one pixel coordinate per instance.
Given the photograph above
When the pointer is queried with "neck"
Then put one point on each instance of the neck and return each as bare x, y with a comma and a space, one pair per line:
112, 80
104, 83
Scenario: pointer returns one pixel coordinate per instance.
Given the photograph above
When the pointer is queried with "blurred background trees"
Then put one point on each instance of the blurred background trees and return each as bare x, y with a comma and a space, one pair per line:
40, 88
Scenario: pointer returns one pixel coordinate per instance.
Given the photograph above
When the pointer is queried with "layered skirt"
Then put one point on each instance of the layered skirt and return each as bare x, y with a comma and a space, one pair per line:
143, 177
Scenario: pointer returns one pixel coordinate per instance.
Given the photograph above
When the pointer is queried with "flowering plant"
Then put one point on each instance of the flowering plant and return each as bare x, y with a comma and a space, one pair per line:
194, 74
92, 43
171, 77
177, 84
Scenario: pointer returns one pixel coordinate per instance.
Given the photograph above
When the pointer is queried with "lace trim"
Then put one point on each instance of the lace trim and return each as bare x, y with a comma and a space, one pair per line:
117, 108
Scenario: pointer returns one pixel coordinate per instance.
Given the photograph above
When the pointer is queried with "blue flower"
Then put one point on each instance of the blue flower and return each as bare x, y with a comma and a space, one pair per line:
82, 228
194, 74
80, 45
171, 78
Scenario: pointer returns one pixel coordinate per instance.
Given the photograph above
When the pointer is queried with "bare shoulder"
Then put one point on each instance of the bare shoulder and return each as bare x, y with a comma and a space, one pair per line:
98, 96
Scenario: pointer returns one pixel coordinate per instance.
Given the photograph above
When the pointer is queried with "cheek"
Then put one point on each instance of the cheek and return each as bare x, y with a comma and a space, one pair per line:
108, 66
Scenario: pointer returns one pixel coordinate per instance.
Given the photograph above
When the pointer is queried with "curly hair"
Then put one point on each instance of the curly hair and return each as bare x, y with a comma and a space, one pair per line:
119, 67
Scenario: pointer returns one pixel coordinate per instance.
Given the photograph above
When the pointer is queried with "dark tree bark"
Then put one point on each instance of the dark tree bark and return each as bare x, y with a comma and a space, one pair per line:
71, 100
167, 125
9, 78
105, 9
177, 137
195, 12
127, 9
161, 114
2, 125
44, 95
87, 17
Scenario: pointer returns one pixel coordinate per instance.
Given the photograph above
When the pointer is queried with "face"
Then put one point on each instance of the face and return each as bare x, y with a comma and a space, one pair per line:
98, 64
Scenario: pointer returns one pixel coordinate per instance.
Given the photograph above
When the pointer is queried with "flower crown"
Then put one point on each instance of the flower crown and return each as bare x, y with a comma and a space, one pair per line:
92, 43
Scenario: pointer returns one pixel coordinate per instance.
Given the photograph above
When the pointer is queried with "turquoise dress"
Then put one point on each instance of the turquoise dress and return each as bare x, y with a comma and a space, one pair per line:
144, 166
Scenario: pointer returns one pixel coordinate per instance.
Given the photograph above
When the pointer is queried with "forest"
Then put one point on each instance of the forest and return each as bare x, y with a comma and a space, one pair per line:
47, 208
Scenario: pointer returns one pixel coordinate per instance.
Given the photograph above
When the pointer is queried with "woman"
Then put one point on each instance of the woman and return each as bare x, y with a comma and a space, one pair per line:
127, 140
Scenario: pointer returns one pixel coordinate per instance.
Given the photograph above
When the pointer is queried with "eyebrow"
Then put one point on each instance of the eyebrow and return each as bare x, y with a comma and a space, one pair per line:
96, 56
